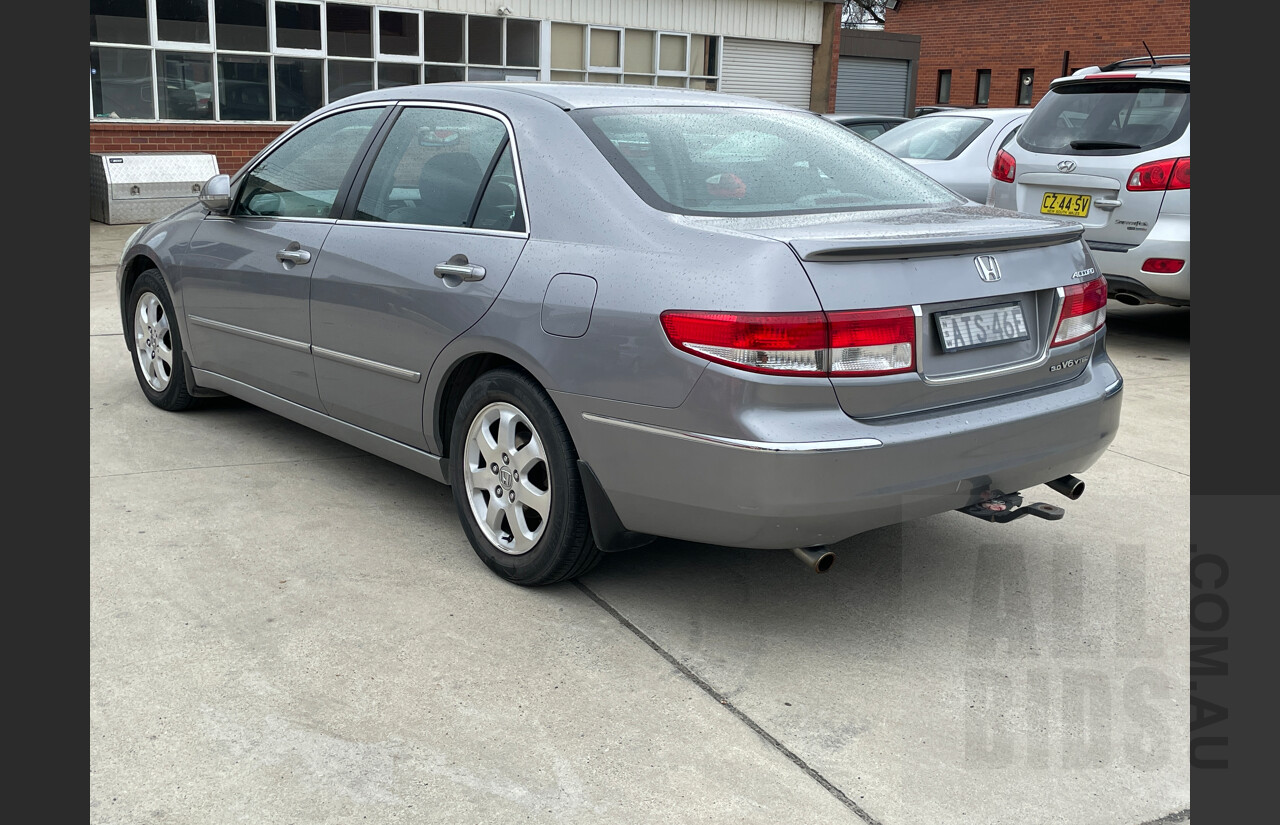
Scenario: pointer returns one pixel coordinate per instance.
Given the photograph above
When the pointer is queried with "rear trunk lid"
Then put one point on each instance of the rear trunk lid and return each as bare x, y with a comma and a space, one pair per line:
947, 265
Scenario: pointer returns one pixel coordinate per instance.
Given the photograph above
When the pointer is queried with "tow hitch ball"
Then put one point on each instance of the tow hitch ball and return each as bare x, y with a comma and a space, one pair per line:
1005, 507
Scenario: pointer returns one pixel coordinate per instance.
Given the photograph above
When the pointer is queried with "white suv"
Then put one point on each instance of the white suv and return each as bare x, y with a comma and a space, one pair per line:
1111, 147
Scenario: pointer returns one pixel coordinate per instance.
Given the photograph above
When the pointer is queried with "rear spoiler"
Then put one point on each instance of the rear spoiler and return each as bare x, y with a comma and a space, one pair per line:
907, 246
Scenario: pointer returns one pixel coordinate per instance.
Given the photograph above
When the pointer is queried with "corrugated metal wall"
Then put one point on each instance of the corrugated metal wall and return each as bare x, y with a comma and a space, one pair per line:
782, 72
870, 86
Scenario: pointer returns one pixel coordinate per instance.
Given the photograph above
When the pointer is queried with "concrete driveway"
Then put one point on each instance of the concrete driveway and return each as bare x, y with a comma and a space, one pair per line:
286, 630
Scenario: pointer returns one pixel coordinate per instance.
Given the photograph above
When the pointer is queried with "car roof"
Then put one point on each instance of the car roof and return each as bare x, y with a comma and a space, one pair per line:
991, 114
570, 96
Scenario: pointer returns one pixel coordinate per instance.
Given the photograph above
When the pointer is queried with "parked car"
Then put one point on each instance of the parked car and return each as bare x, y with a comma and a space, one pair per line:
869, 126
604, 314
1110, 147
957, 149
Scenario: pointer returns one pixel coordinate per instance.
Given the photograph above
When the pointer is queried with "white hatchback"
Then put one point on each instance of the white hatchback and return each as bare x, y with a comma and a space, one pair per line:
1111, 147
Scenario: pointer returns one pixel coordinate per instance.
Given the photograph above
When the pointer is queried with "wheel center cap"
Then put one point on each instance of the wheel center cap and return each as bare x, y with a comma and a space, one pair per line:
504, 476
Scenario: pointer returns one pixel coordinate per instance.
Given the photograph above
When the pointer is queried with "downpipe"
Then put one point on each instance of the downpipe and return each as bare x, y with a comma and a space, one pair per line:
818, 559
1069, 486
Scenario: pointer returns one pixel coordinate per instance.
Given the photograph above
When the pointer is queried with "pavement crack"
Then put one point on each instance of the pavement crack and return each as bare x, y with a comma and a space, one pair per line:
1183, 815
1150, 463
729, 706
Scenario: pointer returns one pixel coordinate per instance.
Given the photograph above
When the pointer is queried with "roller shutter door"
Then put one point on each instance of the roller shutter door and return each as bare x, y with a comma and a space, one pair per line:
871, 86
781, 72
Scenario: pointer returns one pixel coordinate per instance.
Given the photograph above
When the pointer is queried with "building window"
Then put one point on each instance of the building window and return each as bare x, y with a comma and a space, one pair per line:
1026, 81
944, 86
983, 95
279, 60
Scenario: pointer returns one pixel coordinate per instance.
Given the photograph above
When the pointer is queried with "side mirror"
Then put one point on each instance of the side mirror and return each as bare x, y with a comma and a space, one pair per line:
216, 193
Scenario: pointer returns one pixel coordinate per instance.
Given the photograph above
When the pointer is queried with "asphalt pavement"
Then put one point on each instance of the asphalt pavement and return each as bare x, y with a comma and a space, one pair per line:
284, 629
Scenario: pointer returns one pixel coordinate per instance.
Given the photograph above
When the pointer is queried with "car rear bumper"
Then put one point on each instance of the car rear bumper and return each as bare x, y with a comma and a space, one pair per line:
1169, 238
681, 484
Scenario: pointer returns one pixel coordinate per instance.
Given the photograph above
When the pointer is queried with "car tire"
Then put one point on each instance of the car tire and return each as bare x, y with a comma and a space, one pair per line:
514, 473
157, 344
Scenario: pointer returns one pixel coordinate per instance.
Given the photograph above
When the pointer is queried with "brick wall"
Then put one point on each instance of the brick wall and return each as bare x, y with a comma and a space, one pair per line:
232, 144
1007, 36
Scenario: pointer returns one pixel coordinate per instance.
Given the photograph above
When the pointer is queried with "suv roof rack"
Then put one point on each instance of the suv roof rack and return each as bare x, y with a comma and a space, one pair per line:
1150, 61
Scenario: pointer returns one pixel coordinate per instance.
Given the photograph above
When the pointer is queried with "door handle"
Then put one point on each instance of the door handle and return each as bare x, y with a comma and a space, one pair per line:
294, 254
457, 269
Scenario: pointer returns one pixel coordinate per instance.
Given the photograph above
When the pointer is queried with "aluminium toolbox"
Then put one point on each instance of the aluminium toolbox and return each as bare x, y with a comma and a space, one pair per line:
140, 187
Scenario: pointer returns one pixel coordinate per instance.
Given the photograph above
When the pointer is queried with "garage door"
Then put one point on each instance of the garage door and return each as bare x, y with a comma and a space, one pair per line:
872, 86
781, 72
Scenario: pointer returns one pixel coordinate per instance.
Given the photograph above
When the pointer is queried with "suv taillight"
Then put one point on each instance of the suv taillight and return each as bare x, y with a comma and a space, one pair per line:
818, 344
1170, 173
1004, 167
1084, 310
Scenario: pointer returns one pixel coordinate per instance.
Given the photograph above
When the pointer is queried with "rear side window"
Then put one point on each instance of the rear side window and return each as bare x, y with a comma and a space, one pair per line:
432, 168
940, 137
743, 162
1102, 117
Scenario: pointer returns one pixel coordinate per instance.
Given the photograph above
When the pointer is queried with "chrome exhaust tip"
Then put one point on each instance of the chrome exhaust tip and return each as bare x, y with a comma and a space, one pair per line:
1069, 486
817, 559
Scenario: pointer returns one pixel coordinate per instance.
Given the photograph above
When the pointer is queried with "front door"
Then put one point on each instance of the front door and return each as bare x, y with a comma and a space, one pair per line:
245, 278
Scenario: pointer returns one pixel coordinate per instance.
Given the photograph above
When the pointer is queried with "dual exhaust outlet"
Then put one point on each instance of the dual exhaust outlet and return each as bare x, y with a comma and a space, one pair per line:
819, 559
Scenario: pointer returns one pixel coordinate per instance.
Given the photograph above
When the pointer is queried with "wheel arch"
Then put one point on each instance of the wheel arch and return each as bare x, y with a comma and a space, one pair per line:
461, 375
129, 275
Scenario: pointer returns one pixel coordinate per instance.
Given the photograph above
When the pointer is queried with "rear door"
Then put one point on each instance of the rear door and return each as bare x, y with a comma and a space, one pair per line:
423, 248
1084, 141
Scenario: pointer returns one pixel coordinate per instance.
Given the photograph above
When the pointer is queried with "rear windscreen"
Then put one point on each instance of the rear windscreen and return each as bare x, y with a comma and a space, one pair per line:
1092, 117
743, 162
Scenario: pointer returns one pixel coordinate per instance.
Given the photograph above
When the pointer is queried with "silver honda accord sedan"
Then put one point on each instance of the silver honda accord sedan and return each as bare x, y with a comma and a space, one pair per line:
605, 314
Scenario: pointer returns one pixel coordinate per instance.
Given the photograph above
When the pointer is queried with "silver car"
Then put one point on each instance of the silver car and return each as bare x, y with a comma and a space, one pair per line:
608, 314
956, 148
1110, 146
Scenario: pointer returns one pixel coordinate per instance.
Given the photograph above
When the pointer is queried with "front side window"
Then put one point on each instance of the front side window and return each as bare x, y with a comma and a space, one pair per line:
741, 162
302, 177
431, 168
1107, 117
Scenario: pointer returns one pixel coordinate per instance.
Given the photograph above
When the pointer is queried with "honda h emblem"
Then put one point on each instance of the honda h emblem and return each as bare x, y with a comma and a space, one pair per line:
988, 269
1066, 166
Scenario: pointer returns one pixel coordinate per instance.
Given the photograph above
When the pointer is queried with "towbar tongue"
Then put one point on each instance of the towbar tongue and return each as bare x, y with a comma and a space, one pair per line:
1005, 507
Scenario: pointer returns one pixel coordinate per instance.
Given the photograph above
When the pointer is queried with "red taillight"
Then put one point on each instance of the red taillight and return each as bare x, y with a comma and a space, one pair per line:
1162, 266
872, 341
857, 342
1004, 167
1170, 173
1084, 309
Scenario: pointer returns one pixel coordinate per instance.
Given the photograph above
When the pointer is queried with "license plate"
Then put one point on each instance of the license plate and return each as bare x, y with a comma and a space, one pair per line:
968, 328
1058, 203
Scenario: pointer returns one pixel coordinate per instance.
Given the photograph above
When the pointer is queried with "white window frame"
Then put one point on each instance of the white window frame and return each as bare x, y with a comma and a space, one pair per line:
657, 55
322, 52
377, 38
153, 21
622, 57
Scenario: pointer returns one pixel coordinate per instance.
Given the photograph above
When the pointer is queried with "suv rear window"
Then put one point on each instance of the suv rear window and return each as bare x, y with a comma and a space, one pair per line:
1105, 117
751, 162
